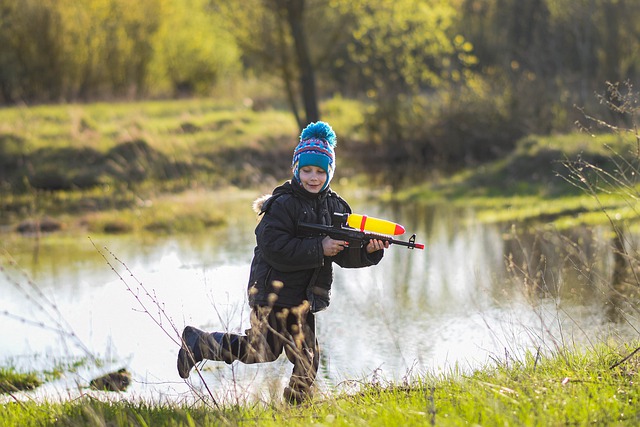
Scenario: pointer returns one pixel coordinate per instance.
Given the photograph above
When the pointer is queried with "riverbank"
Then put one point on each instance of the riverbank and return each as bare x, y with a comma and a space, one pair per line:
566, 387
561, 180
119, 168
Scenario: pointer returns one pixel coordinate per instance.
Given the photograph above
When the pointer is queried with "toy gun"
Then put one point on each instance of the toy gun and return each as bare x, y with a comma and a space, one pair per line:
357, 230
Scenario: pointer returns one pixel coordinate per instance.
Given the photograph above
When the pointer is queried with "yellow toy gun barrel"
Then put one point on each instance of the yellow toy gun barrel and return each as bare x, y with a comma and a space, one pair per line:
374, 225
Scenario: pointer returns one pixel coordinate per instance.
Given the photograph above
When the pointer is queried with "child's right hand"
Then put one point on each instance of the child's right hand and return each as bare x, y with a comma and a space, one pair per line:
332, 247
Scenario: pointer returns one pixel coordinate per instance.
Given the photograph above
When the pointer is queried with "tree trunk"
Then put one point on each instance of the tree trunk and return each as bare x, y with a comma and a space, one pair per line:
287, 75
295, 15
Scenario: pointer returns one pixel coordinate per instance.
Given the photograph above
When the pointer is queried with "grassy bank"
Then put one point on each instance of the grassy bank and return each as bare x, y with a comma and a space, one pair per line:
77, 159
167, 145
564, 179
12, 380
597, 387
101, 165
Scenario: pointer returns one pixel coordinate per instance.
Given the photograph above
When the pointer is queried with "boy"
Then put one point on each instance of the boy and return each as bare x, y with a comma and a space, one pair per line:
291, 273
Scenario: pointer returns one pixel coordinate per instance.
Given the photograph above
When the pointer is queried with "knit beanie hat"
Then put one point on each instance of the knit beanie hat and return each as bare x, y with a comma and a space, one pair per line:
317, 142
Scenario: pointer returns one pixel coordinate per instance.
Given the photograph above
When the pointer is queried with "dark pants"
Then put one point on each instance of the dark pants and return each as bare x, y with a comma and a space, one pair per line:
274, 329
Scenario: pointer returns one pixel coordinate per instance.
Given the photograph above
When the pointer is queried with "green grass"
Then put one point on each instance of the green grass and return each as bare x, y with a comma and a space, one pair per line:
190, 138
537, 183
12, 381
161, 143
74, 159
125, 212
171, 124
187, 212
570, 387
100, 161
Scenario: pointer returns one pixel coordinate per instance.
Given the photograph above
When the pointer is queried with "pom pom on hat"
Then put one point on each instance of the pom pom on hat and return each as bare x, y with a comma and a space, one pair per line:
316, 148
319, 130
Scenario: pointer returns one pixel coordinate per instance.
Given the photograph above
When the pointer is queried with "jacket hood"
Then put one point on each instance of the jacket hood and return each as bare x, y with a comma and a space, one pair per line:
259, 203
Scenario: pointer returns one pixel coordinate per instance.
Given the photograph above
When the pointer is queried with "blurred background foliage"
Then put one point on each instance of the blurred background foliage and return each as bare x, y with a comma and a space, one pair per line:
439, 84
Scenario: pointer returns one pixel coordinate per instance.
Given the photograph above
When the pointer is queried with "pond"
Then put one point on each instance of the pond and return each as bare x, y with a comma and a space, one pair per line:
478, 294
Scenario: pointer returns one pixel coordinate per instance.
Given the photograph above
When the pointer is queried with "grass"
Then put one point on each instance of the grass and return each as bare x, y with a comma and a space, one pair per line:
569, 387
540, 182
103, 163
163, 144
173, 143
187, 212
12, 381
169, 213
102, 126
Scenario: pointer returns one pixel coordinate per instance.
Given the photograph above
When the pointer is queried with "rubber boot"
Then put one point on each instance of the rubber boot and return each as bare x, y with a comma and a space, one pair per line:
198, 345
296, 397
300, 390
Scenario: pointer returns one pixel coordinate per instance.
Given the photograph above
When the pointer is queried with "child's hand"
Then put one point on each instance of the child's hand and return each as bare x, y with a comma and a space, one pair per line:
332, 247
376, 245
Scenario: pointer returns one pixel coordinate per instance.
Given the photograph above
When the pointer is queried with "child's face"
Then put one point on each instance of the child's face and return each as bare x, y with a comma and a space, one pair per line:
312, 178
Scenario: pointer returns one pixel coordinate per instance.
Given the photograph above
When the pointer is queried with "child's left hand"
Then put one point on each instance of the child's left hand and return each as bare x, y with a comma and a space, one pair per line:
376, 245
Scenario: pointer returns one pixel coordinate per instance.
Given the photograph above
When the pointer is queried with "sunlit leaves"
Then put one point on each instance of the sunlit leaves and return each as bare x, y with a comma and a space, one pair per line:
70, 49
404, 45
193, 52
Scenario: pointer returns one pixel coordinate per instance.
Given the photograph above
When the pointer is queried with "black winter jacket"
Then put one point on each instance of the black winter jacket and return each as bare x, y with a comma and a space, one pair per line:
288, 268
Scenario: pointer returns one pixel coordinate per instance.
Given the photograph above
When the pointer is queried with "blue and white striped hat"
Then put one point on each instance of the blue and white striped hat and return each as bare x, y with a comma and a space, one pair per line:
316, 148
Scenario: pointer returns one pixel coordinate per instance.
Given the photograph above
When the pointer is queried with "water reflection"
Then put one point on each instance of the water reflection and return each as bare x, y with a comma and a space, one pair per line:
477, 294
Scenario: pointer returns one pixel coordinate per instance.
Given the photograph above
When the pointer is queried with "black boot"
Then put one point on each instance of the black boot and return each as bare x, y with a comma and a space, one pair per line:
198, 345
294, 396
